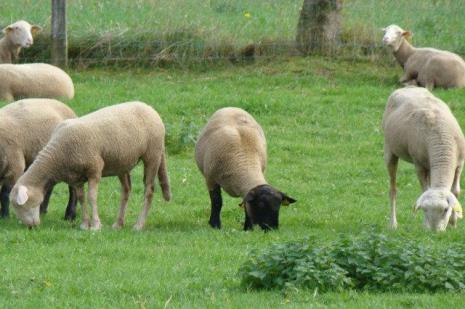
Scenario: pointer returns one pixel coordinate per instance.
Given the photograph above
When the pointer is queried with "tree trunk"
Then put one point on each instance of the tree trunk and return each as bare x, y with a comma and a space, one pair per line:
319, 26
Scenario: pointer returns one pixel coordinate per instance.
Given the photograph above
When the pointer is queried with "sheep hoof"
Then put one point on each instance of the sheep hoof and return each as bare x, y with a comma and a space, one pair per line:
96, 226
138, 227
215, 225
393, 225
117, 226
84, 226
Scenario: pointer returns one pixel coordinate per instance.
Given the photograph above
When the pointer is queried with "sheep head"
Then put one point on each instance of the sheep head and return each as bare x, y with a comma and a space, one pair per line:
393, 36
20, 33
26, 202
262, 205
440, 207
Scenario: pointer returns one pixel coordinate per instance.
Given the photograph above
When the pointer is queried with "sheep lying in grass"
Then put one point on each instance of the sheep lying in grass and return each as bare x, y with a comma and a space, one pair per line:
34, 80
426, 67
16, 36
25, 128
231, 154
420, 128
108, 142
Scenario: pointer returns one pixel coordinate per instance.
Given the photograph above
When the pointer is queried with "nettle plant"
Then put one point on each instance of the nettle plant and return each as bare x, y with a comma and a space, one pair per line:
372, 262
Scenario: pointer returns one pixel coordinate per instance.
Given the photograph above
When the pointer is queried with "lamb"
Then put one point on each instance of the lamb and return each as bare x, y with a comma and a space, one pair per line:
25, 128
34, 80
419, 128
16, 36
426, 67
231, 154
108, 142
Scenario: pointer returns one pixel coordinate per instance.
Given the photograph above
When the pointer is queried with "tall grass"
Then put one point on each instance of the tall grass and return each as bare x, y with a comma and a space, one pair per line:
178, 31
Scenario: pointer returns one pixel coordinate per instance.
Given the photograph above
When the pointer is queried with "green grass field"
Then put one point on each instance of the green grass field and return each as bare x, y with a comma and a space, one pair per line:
142, 31
322, 121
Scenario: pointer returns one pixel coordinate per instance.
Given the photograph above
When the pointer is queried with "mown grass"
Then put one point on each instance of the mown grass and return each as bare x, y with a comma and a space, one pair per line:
322, 121
180, 32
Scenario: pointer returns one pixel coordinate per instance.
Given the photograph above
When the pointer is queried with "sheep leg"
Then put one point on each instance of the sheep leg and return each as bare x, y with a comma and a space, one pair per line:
247, 223
81, 198
44, 204
70, 213
422, 175
125, 180
216, 204
5, 200
392, 162
149, 178
456, 184
92, 197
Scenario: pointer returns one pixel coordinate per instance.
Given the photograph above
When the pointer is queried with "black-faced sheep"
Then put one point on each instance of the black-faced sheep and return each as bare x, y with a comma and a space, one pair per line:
231, 154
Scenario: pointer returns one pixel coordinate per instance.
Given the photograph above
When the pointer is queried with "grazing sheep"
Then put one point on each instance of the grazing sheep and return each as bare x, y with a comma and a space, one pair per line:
25, 128
231, 154
108, 142
16, 36
38, 80
426, 67
419, 128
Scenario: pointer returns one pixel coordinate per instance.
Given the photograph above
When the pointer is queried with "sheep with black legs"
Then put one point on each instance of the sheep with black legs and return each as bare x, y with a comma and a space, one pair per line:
25, 128
231, 154
108, 142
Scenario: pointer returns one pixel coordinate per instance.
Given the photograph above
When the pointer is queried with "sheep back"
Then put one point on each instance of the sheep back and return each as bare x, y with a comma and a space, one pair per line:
27, 125
414, 120
38, 80
120, 135
231, 151
439, 68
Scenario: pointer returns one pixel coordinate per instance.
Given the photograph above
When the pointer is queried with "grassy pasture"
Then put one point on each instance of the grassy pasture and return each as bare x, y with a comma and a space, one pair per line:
155, 31
322, 121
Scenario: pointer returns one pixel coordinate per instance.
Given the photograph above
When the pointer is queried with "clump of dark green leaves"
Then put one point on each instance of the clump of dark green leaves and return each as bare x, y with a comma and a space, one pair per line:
371, 261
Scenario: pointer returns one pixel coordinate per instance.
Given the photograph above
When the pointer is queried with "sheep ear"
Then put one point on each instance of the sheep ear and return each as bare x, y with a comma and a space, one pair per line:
287, 200
453, 202
407, 34
22, 196
35, 29
7, 29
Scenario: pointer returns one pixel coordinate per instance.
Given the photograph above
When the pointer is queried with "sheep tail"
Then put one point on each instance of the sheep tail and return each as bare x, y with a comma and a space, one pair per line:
163, 178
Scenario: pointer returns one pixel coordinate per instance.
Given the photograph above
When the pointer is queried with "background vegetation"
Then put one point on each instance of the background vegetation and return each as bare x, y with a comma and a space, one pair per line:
185, 32
322, 121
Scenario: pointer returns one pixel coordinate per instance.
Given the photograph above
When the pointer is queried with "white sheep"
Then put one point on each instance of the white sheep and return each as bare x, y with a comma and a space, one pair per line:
426, 67
231, 154
108, 142
25, 128
34, 80
420, 128
16, 36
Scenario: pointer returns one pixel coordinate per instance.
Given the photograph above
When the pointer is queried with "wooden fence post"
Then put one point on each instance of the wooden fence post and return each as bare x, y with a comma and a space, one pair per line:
59, 35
